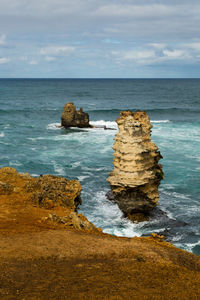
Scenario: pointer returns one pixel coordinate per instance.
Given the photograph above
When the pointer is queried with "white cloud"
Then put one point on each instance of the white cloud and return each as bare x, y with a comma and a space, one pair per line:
4, 60
23, 58
174, 54
2, 39
194, 46
157, 45
57, 50
33, 62
138, 56
50, 58
147, 56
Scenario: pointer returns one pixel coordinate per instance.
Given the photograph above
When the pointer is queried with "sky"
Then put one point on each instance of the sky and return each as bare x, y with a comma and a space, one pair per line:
99, 39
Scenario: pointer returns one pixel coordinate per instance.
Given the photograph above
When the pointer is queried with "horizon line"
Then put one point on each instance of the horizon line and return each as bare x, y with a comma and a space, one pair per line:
97, 78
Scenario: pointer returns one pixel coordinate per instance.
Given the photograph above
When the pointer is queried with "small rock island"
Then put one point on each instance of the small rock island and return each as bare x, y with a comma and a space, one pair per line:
74, 118
137, 174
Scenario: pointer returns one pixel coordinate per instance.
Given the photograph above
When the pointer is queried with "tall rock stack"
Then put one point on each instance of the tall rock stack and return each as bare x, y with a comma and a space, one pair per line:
136, 175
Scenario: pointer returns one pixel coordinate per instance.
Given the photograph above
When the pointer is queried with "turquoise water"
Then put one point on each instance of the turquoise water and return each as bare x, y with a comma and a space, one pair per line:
30, 141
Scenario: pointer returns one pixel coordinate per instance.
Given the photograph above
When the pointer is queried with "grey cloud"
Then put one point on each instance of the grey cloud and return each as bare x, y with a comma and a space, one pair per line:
112, 34
2, 39
57, 50
110, 18
4, 60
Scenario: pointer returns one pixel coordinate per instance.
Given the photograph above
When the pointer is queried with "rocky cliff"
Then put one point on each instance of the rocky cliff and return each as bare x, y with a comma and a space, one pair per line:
136, 175
45, 200
48, 251
74, 118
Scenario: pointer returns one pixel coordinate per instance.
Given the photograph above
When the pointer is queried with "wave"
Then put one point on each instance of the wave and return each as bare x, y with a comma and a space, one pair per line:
113, 124
160, 121
109, 124
175, 109
2, 134
100, 123
30, 110
190, 247
112, 221
108, 110
53, 126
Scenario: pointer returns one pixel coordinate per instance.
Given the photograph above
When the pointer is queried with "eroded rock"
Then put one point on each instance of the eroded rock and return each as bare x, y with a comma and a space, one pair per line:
44, 202
74, 118
136, 175
44, 191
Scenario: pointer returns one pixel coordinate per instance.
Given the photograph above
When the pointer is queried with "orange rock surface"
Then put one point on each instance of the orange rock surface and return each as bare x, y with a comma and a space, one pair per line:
51, 252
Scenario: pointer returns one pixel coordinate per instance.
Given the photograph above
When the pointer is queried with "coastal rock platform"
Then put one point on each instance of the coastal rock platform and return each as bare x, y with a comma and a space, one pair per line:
49, 251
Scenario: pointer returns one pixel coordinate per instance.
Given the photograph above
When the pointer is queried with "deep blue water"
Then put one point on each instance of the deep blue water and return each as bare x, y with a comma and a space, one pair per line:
31, 142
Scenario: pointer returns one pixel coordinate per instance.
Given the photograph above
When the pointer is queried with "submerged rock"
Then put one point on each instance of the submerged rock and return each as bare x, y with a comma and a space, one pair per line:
136, 175
74, 118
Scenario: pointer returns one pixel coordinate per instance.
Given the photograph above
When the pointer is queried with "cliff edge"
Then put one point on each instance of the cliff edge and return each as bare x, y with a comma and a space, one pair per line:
137, 174
37, 203
49, 251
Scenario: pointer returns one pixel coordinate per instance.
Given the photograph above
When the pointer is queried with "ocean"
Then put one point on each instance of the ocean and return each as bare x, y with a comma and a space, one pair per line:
31, 141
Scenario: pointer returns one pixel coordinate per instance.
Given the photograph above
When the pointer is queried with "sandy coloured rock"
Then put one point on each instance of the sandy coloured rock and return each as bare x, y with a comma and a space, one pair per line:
74, 118
136, 175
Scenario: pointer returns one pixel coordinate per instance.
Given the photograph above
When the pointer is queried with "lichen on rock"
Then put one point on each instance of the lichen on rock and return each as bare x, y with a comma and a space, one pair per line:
136, 175
50, 191
74, 118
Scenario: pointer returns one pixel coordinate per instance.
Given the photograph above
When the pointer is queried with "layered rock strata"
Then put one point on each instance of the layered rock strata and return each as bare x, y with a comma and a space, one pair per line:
74, 118
136, 175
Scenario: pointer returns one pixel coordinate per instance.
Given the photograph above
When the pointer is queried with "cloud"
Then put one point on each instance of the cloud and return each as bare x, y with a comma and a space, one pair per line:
142, 56
194, 46
175, 54
57, 50
157, 45
4, 60
107, 34
120, 18
157, 55
50, 58
2, 39
33, 62
137, 11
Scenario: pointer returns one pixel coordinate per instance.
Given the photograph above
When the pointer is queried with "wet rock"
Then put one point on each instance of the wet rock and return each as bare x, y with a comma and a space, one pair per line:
137, 174
159, 219
74, 118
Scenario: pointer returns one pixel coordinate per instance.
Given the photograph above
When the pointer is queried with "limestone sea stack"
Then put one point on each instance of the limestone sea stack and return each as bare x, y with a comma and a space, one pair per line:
74, 118
137, 174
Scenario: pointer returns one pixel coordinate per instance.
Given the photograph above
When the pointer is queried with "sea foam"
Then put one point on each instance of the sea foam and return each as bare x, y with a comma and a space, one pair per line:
160, 121
109, 124
53, 126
